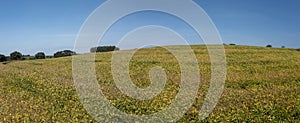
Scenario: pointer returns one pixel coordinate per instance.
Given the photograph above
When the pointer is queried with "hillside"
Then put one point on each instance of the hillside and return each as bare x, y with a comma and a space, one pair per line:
263, 84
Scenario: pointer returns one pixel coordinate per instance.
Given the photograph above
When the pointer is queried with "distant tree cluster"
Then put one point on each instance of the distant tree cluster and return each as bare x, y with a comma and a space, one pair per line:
40, 55
2, 58
64, 53
104, 49
16, 55
270, 46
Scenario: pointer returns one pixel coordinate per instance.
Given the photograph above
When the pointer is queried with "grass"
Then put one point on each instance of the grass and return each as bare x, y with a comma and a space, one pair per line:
262, 85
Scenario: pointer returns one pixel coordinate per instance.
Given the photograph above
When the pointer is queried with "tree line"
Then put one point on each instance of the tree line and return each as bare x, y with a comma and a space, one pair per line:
41, 55
104, 49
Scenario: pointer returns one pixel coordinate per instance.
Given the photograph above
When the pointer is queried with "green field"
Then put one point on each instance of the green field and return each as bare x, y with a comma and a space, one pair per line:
262, 85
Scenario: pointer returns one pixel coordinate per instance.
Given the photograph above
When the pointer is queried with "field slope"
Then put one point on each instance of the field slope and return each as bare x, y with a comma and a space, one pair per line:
263, 84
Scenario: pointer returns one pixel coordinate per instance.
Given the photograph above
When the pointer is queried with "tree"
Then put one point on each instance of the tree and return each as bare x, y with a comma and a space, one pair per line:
269, 46
68, 53
58, 54
104, 49
2, 58
40, 55
16, 55
64, 53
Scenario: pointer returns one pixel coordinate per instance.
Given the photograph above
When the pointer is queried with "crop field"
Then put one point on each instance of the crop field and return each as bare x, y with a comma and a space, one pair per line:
262, 85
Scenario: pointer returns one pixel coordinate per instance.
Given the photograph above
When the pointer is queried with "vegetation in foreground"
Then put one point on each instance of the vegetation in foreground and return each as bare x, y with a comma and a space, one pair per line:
263, 85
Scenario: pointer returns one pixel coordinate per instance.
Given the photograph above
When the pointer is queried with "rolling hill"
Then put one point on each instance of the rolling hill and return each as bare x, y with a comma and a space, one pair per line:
263, 84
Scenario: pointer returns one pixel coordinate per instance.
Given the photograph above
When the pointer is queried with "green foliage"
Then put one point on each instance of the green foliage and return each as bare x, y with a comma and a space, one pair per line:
58, 54
270, 46
40, 55
2, 58
49, 56
104, 49
68, 53
64, 53
16, 55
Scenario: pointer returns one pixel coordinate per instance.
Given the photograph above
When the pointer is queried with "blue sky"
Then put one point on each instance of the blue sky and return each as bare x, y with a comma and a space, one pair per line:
30, 26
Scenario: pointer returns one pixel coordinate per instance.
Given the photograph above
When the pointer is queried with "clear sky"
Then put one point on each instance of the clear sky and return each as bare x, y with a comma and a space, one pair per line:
30, 26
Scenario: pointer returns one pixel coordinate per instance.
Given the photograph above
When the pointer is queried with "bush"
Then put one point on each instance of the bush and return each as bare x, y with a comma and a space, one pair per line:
49, 57
232, 44
16, 55
40, 55
298, 49
27, 57
64, 53
269, 46
104, 49
2, 58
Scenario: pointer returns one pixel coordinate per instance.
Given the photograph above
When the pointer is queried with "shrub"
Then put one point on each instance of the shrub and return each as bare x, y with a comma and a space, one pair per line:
269, 46
40, 55
232, 44
49, 57
27, 57
298, 49
16, 55
2, 58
